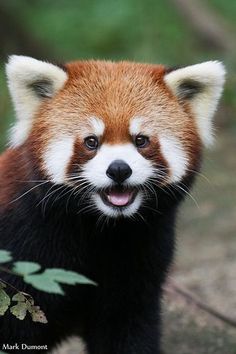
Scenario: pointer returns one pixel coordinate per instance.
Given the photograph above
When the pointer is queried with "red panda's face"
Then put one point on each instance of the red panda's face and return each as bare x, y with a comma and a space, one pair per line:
116, 131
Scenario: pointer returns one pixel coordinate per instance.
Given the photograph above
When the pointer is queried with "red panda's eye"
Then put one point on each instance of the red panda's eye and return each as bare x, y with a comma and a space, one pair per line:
91, 142
141, 141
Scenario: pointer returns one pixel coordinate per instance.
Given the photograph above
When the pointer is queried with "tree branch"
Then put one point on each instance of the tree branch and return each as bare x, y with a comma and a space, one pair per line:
172, 287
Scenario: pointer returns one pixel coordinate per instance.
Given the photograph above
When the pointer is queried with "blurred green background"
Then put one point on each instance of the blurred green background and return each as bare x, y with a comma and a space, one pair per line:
172, 32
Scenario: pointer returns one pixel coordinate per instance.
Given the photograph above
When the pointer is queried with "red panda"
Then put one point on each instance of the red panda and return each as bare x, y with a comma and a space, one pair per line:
100, 158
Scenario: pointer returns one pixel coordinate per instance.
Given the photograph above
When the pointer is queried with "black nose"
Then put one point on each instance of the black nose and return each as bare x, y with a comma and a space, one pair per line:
119, 171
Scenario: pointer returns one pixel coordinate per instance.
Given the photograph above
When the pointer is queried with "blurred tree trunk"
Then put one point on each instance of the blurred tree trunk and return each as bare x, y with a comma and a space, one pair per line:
210, 28
16, 38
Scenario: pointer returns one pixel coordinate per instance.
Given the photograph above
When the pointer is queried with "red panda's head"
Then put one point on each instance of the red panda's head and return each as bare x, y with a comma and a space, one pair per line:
114, 130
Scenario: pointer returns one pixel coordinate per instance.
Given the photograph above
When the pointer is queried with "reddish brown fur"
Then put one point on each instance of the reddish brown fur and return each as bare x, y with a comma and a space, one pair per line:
153, 153
80, 156
123, 267
13, 171
114, 92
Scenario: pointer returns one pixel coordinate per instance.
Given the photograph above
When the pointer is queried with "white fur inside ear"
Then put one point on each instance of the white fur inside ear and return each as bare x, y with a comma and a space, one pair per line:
26, 77
19, 132
210, 77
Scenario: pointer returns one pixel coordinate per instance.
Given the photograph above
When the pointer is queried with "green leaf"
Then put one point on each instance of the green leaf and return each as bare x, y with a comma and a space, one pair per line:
48, 280
25, 304
5, 302
67, 276
44, 283
24, 268
19, 310
30, 301
5, 256
19, 297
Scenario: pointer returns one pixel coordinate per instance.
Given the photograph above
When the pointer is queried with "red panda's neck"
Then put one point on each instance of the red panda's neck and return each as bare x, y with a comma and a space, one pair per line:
14, 172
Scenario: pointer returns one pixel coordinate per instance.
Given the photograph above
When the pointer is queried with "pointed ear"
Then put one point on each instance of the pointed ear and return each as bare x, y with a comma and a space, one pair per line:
30, 81
201, 85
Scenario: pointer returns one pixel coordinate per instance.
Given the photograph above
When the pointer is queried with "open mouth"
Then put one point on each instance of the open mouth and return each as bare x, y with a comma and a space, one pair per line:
118, 197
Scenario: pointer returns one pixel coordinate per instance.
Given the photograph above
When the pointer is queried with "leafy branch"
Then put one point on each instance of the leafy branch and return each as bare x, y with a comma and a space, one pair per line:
48, 281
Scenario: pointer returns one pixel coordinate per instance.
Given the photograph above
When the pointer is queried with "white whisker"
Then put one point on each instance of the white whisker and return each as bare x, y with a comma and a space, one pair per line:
28, 191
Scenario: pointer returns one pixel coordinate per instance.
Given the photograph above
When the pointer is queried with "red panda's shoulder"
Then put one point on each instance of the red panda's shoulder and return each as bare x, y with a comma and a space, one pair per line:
10, 172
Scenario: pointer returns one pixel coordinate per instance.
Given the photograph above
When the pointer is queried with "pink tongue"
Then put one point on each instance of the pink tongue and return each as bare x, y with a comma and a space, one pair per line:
119, 198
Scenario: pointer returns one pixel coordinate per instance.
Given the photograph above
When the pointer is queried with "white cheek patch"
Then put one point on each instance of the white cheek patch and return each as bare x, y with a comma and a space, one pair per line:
175, 155
171, 149
57, 157
95, 169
